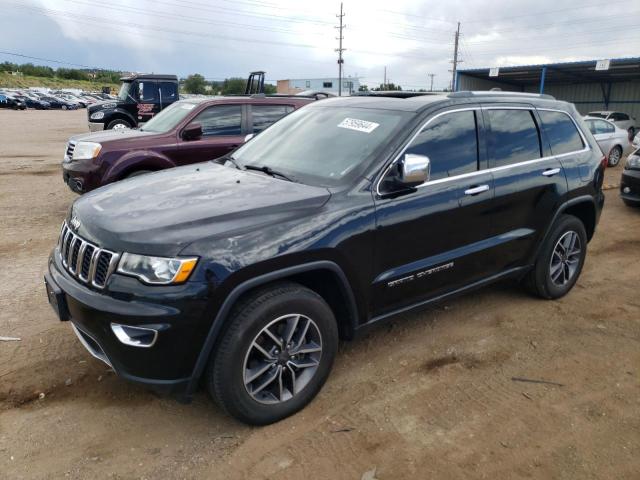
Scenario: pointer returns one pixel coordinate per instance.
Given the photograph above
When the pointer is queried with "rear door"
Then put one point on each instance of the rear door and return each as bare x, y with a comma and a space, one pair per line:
530, 183
432, 240
223, 129
263, 115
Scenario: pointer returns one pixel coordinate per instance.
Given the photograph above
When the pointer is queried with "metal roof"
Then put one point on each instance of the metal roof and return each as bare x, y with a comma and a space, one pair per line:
620, 70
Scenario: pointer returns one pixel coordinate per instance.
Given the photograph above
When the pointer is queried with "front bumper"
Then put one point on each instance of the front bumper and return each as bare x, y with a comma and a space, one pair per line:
81, 176
630, 186
176, 313
95, 126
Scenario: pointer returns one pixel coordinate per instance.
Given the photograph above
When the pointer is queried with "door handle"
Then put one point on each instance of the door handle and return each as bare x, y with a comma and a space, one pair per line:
477, 190
550, 172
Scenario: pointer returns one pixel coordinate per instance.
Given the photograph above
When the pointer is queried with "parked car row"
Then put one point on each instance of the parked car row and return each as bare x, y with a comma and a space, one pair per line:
612, 139
241, 274
20, 99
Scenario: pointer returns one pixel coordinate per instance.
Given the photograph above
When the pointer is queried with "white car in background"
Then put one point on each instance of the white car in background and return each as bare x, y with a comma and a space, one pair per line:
613, 140
621, 120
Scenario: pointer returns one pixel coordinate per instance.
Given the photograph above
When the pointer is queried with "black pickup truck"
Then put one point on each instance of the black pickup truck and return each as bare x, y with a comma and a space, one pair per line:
141, 96
242, 274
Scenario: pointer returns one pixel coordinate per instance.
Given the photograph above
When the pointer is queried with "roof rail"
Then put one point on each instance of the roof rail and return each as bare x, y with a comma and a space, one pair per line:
393, 93
498, 93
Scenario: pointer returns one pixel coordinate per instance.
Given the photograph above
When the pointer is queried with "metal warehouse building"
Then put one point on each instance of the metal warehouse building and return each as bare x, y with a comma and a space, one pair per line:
590, 85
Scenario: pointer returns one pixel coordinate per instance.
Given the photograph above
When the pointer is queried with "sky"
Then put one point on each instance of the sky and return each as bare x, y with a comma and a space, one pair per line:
297, 39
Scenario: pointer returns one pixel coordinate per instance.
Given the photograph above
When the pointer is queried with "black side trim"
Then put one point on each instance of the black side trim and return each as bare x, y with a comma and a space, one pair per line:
417, 306
222, 314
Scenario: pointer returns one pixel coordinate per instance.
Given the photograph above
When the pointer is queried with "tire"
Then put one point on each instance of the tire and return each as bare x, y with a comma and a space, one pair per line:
137, 173
632, 133
539, 280
118, 123
235, 358
64, 107
613, 159
631, 204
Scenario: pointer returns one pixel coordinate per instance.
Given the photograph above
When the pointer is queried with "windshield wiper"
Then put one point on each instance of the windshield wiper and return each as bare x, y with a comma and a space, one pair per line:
268, 171
229, 158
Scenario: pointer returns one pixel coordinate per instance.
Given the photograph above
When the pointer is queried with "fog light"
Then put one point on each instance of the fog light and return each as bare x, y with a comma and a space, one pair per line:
135, 336
626, 190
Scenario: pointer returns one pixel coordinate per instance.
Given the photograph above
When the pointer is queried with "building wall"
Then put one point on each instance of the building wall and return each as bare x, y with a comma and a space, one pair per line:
625, 96
330, 85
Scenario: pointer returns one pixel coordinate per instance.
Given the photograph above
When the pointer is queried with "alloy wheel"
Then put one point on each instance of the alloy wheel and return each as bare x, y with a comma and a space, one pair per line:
282, 359
565, 258
119, 126
614, 156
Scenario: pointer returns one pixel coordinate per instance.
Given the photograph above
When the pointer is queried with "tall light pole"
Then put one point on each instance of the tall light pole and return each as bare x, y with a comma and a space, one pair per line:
431, 75
340, 50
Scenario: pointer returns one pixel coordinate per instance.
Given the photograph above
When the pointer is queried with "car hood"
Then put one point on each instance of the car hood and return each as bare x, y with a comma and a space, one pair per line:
110, 135
161, 213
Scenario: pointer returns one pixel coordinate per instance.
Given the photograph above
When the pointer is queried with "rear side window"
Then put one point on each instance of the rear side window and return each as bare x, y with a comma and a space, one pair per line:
561, 132
265, 115
514, 137
451, 143
221, 120
168, 91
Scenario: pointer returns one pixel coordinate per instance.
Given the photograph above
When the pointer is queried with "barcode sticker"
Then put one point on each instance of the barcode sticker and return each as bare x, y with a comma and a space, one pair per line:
358, 125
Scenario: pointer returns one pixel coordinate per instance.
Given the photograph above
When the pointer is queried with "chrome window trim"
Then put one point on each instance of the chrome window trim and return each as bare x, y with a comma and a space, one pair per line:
586, 148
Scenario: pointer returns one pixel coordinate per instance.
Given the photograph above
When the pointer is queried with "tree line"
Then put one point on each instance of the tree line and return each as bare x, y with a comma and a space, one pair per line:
197, 84
104, 76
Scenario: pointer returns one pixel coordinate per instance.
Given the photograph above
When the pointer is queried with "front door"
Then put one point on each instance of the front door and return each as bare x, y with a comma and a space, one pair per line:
222, 132
432, 240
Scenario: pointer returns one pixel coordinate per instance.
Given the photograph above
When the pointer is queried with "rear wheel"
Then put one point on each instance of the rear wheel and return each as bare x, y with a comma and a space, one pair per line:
64, 107
118, 124
561, 258
614, 156
275, 355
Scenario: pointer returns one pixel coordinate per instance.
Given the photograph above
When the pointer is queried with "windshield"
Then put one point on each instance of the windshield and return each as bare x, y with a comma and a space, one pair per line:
324, 146
168, 118
124, 91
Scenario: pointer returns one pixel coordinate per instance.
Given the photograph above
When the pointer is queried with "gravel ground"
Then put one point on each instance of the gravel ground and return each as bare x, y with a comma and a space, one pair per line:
430, 395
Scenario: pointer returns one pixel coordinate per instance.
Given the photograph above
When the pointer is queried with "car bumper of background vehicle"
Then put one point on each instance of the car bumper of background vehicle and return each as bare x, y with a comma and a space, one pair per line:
167, 363
630, 186
95, 126
81, 176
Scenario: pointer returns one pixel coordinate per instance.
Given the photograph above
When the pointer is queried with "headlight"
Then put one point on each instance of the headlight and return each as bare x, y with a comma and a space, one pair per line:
97, 116
633, 161
157, 270
86, 150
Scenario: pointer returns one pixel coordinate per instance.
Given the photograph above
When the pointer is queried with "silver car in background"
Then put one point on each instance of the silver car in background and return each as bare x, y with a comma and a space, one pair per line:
613, 140
620, 119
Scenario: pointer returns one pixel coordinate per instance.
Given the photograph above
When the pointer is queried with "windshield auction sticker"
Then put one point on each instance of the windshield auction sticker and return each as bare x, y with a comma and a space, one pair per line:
358, 125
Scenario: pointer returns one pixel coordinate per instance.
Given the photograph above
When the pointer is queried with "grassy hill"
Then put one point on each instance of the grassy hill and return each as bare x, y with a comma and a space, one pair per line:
25, 81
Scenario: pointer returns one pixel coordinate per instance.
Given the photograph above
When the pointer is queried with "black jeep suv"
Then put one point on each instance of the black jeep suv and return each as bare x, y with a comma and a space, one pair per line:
243, 273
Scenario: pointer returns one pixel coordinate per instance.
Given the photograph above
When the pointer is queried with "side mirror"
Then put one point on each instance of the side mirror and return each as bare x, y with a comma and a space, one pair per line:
249, 137
193, 131
414, 170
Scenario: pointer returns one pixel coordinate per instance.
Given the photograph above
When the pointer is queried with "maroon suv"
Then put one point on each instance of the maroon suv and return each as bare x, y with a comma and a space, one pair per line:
189, 131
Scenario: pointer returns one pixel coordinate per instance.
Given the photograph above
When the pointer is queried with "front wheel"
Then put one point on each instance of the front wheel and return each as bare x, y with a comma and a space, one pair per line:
64, 107
614, 156
118, 124
560, 260
275, 354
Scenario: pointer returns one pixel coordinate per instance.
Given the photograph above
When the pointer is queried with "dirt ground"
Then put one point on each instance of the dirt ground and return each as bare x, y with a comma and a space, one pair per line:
430, 395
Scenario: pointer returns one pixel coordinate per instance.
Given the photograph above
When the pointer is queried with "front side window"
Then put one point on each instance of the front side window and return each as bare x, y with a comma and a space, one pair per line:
451, 143
220, 120
265, 115
324, 146
561, 132
147, 91
514, 136
168, 118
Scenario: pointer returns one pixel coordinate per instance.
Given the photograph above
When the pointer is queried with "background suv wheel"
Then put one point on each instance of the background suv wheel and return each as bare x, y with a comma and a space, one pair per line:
560, 259
118, 124
614, 156
275, 354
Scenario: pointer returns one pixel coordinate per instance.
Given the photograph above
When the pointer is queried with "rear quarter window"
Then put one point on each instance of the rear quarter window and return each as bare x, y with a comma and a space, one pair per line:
561, 132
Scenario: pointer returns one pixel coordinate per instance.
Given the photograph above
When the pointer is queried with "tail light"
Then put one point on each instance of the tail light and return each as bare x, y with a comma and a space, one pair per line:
604, 161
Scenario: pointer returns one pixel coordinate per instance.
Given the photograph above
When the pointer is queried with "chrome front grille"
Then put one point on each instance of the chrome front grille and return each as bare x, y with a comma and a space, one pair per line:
85, 261
68, 154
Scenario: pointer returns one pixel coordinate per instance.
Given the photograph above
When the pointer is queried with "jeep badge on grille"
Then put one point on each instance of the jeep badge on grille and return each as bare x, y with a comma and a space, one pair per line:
75, 222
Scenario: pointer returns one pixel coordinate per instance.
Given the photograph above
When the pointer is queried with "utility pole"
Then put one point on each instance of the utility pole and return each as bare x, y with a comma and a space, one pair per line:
384, 85
431, 75
340, 50
455, 58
